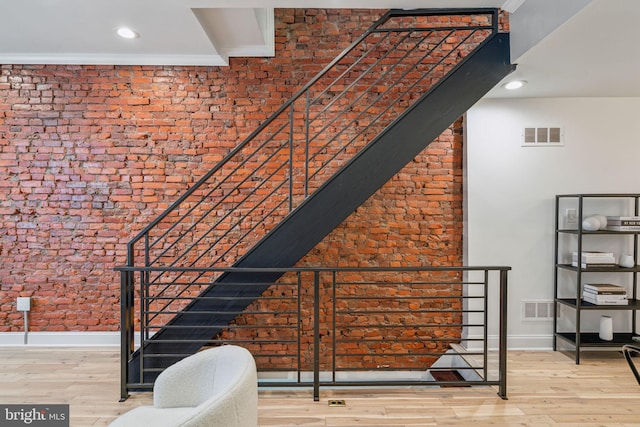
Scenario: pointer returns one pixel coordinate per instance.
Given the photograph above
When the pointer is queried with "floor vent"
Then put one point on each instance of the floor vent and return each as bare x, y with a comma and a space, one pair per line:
537, 310
448, 375
542, 137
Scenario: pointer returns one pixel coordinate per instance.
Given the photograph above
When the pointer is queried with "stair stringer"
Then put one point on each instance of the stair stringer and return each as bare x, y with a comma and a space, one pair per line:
333, 202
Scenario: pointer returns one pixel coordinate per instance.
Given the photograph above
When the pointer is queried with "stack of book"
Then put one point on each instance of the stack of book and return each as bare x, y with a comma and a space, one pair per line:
623, 223
604, 294
594, 259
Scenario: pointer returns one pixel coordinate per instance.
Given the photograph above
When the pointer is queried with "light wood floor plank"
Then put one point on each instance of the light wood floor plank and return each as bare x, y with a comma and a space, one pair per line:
544, 389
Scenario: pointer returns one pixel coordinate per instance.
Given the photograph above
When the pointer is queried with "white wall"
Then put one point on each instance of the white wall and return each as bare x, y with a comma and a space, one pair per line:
510, 189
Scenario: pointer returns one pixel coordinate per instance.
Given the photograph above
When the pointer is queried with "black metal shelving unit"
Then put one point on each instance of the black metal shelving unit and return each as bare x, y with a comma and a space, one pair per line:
577, 337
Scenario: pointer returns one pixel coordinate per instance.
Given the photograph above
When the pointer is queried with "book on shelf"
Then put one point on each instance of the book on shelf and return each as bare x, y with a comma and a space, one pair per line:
596, 260
590, 257
603, 288
623, 227
623, 223
593, 254
604, 294
594, 264
589, 294
623, 220
605, 301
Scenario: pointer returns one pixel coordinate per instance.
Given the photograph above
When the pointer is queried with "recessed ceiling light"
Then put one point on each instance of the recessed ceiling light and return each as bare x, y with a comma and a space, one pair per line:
514, 84
127, 33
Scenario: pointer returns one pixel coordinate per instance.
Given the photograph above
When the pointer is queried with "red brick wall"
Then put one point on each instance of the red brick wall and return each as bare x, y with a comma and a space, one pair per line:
90, 154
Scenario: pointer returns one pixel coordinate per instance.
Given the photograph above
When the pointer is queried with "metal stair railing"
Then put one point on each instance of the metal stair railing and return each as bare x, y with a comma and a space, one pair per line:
310, 137
328, 122
306, 331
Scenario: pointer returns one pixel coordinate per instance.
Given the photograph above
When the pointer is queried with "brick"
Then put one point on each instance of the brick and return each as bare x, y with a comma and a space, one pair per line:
100, 151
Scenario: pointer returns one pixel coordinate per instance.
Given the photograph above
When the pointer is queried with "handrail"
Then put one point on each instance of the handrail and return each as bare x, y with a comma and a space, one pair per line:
288, 108
252, 135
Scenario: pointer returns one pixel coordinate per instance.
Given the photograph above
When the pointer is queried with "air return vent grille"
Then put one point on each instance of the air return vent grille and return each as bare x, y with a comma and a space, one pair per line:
537, 310
542, 137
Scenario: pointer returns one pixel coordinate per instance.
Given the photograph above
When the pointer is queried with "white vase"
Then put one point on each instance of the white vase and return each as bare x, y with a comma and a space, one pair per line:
602, 220
591, 223
626, 261
606, 328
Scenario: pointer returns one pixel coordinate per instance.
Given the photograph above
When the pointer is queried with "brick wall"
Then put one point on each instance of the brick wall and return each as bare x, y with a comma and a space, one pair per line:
90, 154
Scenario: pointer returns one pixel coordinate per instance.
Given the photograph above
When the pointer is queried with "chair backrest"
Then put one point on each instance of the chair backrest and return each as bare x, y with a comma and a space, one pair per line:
206, 374
232, 363
235, 391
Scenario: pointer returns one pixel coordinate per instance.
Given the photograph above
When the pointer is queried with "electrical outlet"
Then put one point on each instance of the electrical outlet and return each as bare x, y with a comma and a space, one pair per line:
571, 217
23, 304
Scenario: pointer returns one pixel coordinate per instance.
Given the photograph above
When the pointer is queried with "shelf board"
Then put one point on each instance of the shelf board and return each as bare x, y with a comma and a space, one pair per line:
608, 232
614, 269
601, 195
571, 302
591, 339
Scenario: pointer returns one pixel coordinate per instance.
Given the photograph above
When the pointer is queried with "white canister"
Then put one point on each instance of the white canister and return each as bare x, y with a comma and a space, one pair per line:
627, 261
606, 328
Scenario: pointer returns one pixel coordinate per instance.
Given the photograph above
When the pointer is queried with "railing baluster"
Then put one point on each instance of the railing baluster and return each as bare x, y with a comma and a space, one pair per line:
143, 324
502, 353
126, 334
485, 323
307, 113
316, 335
291, 158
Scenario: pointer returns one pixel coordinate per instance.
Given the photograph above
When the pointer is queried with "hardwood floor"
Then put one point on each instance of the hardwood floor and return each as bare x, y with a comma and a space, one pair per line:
544, 388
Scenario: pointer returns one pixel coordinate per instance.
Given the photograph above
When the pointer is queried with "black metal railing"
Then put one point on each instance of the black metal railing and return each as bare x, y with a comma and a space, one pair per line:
276, 172
337, 327
325, 124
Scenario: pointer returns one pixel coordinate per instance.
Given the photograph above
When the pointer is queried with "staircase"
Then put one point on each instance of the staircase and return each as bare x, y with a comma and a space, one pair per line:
301, 173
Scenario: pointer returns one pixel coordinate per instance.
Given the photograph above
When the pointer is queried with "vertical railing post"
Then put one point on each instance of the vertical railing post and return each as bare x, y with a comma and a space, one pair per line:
299, 325
334, 346
485, 310
126, 334
306, 144
144, 280
316, 335
291, 127
143, 285
502, 388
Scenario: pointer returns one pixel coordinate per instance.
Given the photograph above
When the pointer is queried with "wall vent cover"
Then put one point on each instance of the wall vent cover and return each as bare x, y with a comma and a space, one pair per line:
537, 310
542, 137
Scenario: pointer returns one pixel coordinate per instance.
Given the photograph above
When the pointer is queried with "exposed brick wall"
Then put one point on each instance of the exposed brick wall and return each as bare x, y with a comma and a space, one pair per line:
414, 220
90, 154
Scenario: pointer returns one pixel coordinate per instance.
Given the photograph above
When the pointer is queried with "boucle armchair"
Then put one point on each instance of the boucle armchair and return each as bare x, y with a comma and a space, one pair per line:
215, 387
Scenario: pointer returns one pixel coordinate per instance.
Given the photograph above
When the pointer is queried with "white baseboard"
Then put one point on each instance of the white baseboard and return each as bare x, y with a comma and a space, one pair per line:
61, 339
530, 342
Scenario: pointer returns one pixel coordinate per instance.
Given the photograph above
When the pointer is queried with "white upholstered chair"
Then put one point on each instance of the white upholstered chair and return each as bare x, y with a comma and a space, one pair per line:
215, 387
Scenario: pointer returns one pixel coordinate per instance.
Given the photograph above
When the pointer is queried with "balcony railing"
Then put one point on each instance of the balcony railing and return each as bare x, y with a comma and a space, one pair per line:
336, 327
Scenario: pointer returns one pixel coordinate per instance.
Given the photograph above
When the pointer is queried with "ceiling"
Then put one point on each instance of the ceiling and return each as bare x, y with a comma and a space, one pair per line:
581, 48
595, 53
